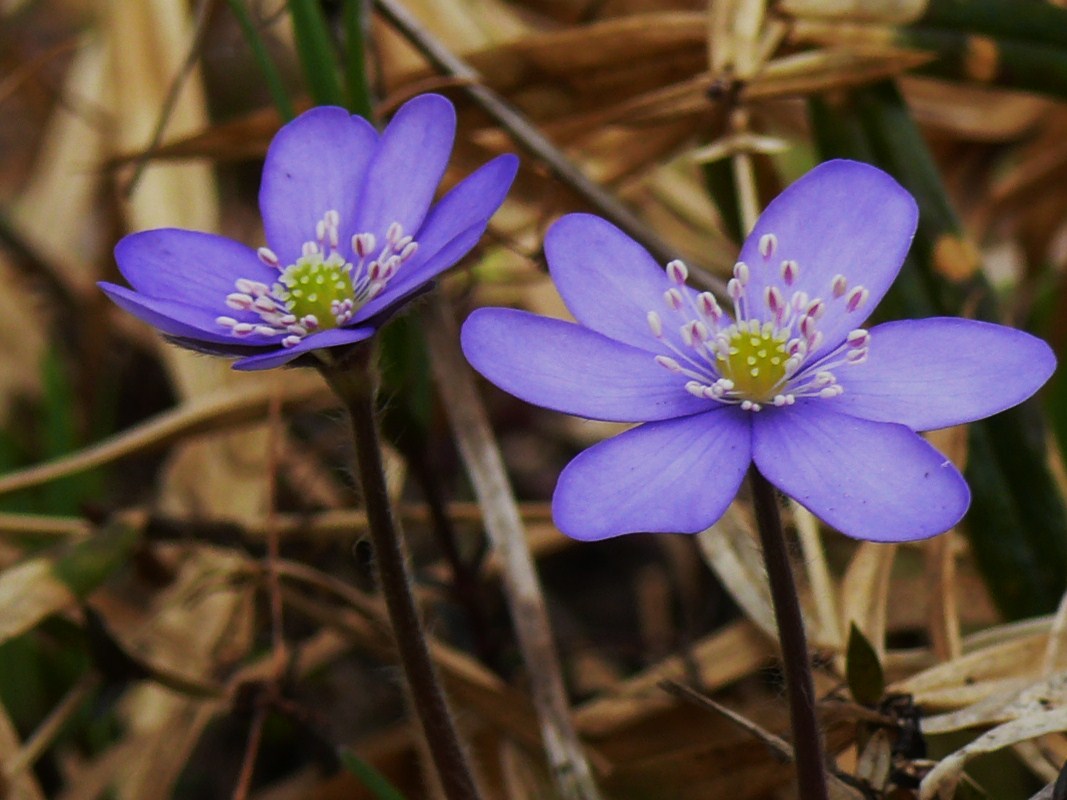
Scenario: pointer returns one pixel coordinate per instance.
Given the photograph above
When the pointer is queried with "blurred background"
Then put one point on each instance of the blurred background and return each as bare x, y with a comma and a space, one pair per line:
139, 483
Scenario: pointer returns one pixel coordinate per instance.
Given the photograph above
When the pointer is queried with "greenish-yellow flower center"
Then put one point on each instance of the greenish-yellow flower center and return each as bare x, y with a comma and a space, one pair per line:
323, 289
755, 360
316, 287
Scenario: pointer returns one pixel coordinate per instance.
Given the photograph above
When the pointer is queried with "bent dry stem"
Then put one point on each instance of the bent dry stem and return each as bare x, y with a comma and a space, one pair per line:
353, 378
808, 754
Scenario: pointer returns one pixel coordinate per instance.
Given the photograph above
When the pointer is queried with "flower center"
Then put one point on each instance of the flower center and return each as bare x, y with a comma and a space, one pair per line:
754, 360
316, 287
766, 354
323, 289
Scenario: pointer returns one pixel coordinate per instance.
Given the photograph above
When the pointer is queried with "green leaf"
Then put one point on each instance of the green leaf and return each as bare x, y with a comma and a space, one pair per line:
355, 59
369, 776
84, 565
866, 680
316, 52
275, 85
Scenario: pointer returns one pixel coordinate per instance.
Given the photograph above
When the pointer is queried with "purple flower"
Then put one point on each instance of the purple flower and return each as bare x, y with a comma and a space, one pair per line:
827, 410
350, 235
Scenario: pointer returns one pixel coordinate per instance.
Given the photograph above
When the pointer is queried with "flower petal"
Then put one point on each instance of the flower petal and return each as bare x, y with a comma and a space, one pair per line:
317, 341
841, 218
180, 319
568, 368
407, 166
678, 475
932, 373
608, 281
451, 229
870, 480
315, 164
189, 267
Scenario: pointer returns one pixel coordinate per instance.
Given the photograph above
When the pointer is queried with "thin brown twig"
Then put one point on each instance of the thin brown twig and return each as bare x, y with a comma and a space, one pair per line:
470, 425
248, 763
47, 731
527, 135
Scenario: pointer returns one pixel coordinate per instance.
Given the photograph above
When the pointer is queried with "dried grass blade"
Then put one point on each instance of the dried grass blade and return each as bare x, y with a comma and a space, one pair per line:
503, 524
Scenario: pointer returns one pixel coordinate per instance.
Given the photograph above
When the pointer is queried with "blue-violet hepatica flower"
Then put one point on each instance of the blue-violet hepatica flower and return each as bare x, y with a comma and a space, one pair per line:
790, 380
350, 235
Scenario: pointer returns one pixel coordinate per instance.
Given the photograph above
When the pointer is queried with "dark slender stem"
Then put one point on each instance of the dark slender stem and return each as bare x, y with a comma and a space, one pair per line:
808, 752
354, 382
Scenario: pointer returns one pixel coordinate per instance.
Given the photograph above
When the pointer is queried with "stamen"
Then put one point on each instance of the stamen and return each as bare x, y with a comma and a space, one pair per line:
321, 290
856, 298
655, 324
790, 271
268, 257
677, 272
768, 243
838, 286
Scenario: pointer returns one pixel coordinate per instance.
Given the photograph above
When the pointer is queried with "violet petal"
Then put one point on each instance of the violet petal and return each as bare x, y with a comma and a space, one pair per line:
841, 218
870, 480
932, 373
678, 475
608, 281
407, 167
188, 266
316, 341
180, 319
451, 229
568, 368
315, 164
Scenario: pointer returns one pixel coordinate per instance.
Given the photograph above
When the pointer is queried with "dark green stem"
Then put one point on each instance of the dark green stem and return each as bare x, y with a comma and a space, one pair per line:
808, 753
354, 381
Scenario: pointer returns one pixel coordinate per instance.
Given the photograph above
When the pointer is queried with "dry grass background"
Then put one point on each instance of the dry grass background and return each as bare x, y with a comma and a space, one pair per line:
141, 481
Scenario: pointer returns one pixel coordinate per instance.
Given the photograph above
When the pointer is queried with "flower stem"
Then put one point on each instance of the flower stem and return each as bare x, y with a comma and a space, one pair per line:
808, 754
354, 380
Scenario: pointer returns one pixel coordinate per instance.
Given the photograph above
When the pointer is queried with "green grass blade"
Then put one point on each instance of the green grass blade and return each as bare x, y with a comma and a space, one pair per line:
273, 78
357, 19
371, 778
316, 52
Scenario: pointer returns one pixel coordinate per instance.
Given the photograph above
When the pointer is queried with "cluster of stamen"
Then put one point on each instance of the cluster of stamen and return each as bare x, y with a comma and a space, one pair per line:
764, 354
323, 289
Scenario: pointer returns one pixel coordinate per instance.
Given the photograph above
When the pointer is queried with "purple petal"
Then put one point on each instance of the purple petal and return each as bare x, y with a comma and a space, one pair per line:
870, 480
608, 281
932, 373
180, 319
452, 228
188, 267
842, 218
407, 166
315, 164
568, 368
317, 341
673, 476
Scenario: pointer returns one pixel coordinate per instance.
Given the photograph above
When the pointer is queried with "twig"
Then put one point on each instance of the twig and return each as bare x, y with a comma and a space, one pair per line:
47, 731
248, 763
485, 466
779, 747
221, 410
525, 135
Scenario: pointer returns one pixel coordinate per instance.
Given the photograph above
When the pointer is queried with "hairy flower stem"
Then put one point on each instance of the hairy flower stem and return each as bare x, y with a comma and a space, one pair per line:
354, 380
808, 754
